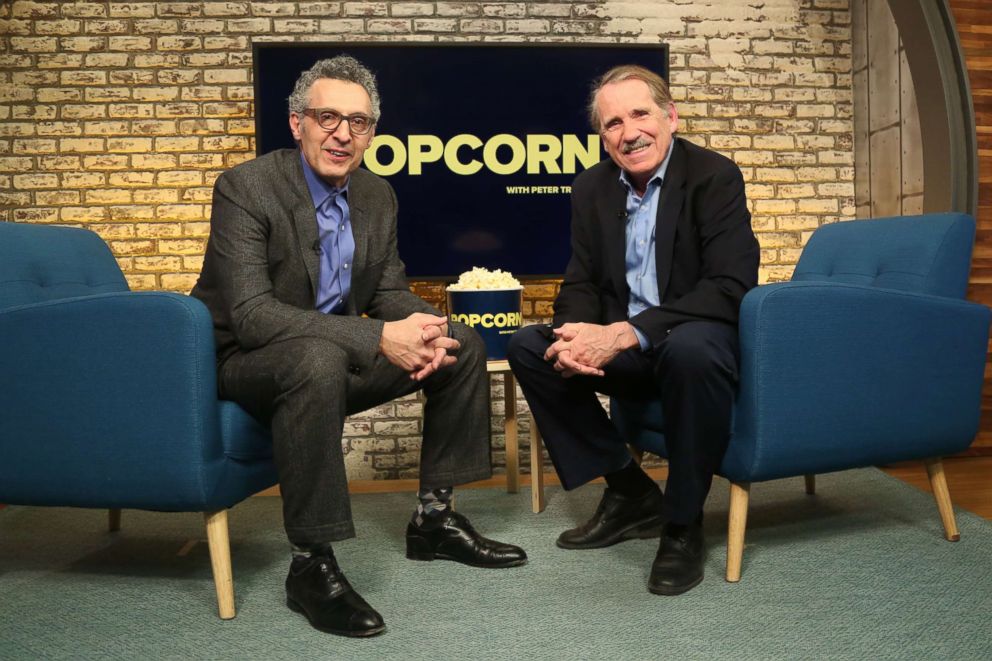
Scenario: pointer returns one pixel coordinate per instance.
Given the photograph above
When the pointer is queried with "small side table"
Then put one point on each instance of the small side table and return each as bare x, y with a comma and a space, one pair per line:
512, 443
509, 422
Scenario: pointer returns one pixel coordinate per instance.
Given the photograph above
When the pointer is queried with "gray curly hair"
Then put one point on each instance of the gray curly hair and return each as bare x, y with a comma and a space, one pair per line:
340, 67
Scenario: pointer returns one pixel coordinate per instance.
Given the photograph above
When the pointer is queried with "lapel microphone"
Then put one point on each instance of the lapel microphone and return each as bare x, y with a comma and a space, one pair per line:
316, 247
622, 215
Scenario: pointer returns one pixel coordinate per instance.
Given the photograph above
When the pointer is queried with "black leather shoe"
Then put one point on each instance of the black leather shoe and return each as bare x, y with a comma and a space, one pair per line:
678, 567
452, 537
617, 518
317, 588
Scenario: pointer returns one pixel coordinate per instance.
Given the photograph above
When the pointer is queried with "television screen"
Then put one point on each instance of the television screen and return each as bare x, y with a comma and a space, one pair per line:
481, 142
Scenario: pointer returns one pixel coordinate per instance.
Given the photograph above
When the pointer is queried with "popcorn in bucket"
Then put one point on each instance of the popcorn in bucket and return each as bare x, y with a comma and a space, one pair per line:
490, 302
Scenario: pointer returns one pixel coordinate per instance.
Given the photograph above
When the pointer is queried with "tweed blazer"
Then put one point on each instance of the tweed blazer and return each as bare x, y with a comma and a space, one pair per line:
706, 252
259, 276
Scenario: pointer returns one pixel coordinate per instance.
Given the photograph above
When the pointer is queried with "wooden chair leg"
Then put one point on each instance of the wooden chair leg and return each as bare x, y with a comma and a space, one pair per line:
510, 434
537, 501
810, 483
114, 520
938, 483
220, 560
736, 523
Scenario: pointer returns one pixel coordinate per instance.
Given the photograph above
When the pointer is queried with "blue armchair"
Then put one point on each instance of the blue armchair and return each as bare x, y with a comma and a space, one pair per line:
108, 398
868, 356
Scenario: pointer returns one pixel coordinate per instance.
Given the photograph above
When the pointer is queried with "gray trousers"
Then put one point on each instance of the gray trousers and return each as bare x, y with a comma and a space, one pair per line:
304, 388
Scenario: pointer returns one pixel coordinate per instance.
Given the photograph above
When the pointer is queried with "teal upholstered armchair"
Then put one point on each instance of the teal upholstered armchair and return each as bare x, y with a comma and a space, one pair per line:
870, 355
108, 397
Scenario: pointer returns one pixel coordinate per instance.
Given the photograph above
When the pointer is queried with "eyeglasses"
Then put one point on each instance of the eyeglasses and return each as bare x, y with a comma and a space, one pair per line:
329, 120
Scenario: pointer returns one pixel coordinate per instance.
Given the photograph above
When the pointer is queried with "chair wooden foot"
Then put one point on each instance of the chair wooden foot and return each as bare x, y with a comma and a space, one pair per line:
736, 523
938, 483
810, 484
113, 520
220, 561
537, 501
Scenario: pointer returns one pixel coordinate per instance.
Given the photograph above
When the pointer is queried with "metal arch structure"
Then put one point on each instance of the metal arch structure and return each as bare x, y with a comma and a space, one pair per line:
947, 117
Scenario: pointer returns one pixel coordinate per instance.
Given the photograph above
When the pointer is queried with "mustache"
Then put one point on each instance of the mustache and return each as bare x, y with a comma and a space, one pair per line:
636, 144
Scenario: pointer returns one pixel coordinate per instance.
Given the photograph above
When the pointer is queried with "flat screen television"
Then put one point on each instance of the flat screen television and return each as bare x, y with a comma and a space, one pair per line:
480, 141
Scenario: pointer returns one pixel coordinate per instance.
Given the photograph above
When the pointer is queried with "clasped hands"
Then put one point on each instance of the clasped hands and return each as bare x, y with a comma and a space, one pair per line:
419, 344
584, 349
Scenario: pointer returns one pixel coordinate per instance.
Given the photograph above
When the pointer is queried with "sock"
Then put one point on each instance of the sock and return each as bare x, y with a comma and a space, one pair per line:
630, 481
696, 522
310, 550
433, 503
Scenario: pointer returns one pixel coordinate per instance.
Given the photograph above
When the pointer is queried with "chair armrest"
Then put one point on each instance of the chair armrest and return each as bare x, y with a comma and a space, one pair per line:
835, 376
112, 394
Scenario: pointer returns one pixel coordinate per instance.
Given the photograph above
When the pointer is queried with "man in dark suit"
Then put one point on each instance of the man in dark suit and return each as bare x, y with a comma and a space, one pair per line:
662, 253
314, 321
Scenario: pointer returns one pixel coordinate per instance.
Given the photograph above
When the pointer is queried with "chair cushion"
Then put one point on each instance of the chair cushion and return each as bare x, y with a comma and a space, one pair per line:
44, 263
242, 437
640, 423
929, 254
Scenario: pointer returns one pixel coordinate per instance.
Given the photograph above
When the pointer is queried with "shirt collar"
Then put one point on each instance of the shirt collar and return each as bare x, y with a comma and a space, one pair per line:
658, 175
320, 190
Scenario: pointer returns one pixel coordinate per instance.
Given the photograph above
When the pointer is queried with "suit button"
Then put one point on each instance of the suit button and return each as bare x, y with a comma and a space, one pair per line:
354, 369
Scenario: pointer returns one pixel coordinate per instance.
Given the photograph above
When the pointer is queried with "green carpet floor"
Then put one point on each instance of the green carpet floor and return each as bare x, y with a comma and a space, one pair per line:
859, 571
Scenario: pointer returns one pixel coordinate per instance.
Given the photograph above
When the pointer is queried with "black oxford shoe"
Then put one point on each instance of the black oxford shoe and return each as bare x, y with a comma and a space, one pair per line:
617, 518
678, 567
452, 537
317, 588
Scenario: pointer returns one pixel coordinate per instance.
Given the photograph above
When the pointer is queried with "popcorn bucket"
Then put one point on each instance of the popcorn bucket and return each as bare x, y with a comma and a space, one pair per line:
493, 313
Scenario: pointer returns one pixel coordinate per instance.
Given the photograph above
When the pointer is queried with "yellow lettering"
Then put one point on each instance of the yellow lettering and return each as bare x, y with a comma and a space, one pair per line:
490, 320
372, 155
451, 154
543, 150
587, 155
424, 149
517, 149
539, 154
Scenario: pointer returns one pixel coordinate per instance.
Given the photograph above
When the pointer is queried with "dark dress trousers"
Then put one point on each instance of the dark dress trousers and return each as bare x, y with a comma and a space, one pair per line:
707, 259
301, 371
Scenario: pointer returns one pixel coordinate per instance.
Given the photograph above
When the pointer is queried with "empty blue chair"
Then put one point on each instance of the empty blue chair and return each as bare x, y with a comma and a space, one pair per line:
870, 355
108, 398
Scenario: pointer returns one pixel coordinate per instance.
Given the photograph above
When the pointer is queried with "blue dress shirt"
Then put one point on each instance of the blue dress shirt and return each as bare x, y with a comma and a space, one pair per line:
336, 239
642, 271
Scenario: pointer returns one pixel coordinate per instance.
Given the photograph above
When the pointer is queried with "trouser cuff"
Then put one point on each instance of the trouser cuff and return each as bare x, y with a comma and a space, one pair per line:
305, 537
454, 478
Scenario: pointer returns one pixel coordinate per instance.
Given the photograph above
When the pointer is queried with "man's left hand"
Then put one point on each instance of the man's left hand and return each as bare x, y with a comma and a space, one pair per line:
418, 344
589, 345
436, 336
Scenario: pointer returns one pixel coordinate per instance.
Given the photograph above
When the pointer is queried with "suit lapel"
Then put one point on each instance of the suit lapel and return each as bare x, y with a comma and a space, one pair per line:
358, 205
669, 211
613, 211
305, 221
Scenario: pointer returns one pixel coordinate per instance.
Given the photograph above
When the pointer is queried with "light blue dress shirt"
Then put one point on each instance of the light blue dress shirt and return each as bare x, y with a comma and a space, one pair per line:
336, 241
642, 271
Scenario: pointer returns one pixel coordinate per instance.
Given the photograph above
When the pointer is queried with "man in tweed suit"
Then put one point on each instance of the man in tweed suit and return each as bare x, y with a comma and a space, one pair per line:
314, 321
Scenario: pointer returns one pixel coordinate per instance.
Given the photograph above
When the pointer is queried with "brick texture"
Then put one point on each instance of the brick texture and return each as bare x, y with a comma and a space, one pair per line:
119, 116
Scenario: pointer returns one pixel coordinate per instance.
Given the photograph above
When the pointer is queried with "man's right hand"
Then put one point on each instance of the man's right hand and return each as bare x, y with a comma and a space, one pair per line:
568, 368
418, 344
